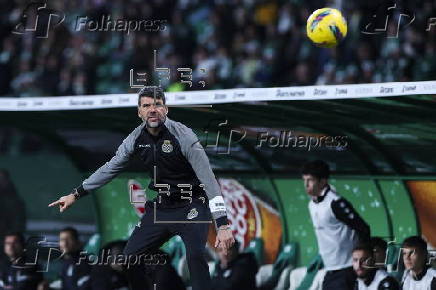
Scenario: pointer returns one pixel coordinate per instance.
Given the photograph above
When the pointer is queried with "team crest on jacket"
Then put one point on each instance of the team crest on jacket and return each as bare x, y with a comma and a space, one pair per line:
192, 214
167, 147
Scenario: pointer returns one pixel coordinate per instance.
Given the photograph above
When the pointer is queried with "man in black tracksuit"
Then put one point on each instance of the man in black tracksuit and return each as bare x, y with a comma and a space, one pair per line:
235, 270
18, 272
76, 267
188, 193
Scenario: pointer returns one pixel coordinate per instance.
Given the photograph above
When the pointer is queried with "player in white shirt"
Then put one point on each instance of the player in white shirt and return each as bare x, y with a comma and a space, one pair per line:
418, 275
338, 227
369, 277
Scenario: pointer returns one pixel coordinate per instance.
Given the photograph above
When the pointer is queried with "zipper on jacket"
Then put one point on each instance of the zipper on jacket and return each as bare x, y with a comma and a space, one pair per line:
154, 160
154, 154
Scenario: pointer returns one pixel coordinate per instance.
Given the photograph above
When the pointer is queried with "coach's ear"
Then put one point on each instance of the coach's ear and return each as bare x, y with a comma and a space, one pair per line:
139, 115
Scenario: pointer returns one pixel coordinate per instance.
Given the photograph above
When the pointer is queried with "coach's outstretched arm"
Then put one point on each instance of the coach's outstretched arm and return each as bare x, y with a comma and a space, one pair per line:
104, 174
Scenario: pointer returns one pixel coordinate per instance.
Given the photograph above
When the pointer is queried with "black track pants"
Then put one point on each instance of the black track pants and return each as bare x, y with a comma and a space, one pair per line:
157, 226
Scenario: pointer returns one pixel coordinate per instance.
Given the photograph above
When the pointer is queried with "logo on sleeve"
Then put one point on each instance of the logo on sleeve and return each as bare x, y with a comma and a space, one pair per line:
167, 147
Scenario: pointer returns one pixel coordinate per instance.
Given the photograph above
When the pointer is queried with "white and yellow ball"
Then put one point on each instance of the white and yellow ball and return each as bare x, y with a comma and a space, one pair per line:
326, 27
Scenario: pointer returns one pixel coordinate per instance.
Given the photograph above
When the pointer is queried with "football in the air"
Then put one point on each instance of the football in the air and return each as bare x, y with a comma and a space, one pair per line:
326, 27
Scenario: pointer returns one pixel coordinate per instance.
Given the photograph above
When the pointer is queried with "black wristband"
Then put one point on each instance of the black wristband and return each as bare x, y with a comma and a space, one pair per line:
221, 221
79, 192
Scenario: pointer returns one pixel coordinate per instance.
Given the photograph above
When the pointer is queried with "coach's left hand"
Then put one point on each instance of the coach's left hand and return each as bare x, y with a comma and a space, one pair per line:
224, 238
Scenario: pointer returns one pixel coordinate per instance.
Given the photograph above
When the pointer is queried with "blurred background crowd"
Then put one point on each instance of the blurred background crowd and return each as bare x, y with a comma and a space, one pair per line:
238, 43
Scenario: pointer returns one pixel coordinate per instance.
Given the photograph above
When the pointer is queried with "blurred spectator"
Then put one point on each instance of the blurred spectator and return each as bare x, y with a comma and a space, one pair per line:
255, 43
235, 270
418, 273
76, 267
18, 273
108, 276
379, 247
12, 207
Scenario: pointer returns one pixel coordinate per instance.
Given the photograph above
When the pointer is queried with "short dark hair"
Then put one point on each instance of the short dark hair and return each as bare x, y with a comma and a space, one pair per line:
317, 168
364, 247
151, 92
379, 242
415, 242
19, 235
72, 231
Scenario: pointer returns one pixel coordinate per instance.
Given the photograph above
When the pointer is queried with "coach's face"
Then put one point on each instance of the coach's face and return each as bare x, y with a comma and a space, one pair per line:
361, 263
152, 111
313, 185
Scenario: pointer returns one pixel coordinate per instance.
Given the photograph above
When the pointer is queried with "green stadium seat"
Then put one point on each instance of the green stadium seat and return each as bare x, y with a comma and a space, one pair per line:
288, 256
263, 276
311, 272
283, 283
296, 276
394, 265
270, 275
175, 249
93, 245
256, 247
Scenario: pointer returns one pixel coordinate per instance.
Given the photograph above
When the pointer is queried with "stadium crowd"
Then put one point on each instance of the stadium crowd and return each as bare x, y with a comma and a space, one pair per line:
245, 43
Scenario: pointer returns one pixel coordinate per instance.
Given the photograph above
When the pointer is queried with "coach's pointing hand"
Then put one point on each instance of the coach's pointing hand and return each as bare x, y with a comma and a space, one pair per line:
64, 202
224, 238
